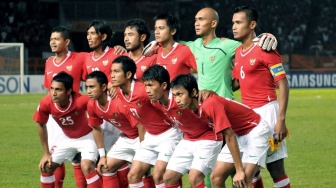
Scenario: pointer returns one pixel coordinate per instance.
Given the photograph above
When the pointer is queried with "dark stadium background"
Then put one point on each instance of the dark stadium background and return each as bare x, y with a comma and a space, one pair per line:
304, 28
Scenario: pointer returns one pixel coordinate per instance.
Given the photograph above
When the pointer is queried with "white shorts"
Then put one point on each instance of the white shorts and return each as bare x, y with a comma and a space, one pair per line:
158, 147
200, 155
252, 146
67, 148
124, 148
269, 112
111, 134
54, 133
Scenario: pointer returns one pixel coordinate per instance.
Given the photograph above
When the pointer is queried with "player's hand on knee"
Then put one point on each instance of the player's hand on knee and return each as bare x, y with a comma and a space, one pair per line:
150, 49
45, 163
239, 180
266, 41
102, 165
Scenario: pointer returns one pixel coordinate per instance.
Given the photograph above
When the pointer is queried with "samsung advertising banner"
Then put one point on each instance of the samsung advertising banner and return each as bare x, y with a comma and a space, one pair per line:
34, 83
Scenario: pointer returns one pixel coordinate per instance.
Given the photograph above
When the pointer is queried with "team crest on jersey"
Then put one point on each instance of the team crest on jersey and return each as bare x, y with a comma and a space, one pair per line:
138, 104
212, 58
76, 112
252, 61
116, 114
69, 68
174, 60
143, 68
179, 112
105, 62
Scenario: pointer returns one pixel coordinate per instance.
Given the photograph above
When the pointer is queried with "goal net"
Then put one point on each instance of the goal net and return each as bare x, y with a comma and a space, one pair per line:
11, 68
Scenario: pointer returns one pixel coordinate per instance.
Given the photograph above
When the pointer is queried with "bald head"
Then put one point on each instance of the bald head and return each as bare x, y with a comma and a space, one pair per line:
209, 13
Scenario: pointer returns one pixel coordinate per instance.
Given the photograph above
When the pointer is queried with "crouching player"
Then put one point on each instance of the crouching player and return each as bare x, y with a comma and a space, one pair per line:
69, 111
100, 108
252, 131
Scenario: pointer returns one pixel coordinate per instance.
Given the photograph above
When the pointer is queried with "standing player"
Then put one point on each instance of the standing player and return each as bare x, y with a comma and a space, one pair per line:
175, 57
252, 132
136, 36
68, 108
100, 108
197, 152
258, 73
74, 64
161, 136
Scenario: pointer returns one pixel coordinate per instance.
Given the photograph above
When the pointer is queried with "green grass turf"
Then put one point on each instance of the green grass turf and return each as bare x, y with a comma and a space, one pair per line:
311, 119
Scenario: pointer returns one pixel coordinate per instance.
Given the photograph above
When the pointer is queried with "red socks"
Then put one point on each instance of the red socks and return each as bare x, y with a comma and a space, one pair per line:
47, 181
282, 182
110, 180
257, 181
93, 180
79, 176
122, 176
59, 174
148, 181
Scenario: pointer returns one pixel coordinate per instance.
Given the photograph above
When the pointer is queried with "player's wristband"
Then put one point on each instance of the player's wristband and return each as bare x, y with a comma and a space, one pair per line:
101, 152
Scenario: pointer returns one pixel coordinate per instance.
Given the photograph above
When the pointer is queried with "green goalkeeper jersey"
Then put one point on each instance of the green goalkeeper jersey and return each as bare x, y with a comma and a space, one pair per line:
214, 64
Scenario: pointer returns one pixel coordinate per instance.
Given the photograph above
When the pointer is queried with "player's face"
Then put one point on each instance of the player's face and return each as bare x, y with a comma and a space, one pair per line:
57, 43
162, 32
94, 39
58, 93
132, 39
203, 23
117, 75
181, 96
93, 89
240, 26
154, 90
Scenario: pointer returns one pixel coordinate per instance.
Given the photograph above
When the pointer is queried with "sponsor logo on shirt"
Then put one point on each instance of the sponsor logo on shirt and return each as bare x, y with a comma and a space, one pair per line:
50, 72
174, 60
179, 112
212, 58
76, 112
69, 68
116, 114
252, 61
105, 62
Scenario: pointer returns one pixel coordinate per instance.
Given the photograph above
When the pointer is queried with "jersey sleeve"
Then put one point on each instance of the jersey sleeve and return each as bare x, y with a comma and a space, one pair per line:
191, 59
93, 119
273, 61
235, 71
216, 112
42, 112
82, 59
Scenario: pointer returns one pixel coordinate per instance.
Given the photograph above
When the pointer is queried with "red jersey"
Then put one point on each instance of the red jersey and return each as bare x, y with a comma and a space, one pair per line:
115, 113
179, 60
142, 64
193, 127
102, 63
224, 113
139, 104
72, 119
73, 64
257, 72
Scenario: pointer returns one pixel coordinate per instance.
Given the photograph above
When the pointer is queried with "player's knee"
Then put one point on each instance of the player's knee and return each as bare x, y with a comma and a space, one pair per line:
169, 178
87, 166
216, 178
133, 176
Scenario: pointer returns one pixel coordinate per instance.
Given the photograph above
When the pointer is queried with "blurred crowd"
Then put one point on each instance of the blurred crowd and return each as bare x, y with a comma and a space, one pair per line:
305, 27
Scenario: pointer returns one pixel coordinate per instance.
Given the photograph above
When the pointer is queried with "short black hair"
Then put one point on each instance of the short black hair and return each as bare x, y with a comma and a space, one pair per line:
65, 32
172, 21
141, 27
128, 65
157, 73
99, 76
251, 13
187, 81
65, 78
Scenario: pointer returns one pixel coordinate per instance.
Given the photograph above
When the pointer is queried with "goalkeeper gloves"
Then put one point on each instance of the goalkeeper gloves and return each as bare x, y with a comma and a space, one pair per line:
266, 41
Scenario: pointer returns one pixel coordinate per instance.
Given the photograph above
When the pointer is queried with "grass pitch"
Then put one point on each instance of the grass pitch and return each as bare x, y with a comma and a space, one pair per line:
310, 117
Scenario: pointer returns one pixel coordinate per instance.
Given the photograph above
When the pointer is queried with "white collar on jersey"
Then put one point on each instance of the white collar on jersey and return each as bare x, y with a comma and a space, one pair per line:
108, 105
131, 92
66, 58
105, 51
174, 46
70, 99
248, 51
